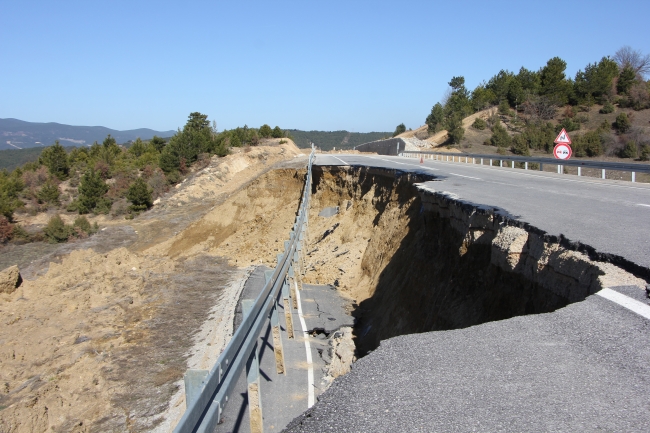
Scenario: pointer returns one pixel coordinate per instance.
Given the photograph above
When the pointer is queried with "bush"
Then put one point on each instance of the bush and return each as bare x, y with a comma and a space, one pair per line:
607, 108
568, 124
57, 231
519, 145
622, 123
265, 131
277, 132
139, 195
645, 153
629, 151
6, 229
81, 224
49, 193
500, 137
56, 160
588, 144
479, 124
504, 108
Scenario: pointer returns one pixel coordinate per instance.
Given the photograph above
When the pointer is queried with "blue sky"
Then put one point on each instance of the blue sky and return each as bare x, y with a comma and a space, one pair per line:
359, 66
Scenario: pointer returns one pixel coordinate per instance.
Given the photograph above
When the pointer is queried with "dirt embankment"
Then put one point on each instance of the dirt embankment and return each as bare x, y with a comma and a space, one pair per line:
414, 260
100, 332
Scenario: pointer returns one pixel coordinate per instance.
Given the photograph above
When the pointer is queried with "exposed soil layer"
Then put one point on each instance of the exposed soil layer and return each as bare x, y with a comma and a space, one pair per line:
420, 261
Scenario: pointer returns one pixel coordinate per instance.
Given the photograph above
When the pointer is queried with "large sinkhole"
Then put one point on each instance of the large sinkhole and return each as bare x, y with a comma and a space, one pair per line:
415, 261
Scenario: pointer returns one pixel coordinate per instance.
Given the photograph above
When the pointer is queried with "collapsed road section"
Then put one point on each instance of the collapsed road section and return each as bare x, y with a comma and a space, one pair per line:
413, 260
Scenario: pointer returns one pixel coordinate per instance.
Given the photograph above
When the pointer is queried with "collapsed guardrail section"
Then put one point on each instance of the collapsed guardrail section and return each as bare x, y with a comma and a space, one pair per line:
601, 165
208, 392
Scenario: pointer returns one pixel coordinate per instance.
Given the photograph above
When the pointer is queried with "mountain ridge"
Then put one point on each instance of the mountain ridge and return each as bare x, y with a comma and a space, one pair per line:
21, 134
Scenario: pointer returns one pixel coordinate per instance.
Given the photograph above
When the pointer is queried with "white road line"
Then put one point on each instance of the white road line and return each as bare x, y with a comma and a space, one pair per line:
641, 204
310, 366
345, 163
625, 301
469, 177
402, 163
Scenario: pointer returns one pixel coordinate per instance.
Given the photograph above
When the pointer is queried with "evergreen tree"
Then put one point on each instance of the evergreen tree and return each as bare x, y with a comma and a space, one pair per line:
399, 130
91, 192
55, 159
554, 84
158, 143
277, 132
139, 195
265, 131
137, 148
625, 80
596, 80
436, 118
455, 129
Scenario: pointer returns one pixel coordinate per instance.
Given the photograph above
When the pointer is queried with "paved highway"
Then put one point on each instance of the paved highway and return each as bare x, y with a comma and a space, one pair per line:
611, 216
585, 367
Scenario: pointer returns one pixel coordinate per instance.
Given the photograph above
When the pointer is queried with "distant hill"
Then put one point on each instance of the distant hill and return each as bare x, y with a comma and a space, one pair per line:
18, 134
327, 140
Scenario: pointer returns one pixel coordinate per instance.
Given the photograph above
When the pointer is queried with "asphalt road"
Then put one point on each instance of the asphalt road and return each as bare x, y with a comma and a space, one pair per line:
286, 396
585, 367
611, 216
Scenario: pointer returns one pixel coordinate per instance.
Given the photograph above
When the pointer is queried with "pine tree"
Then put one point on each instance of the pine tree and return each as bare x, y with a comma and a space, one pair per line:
139, 195
55, 159
91, 192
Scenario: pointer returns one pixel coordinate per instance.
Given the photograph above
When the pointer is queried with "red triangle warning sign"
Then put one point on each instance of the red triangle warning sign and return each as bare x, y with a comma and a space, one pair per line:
563, 138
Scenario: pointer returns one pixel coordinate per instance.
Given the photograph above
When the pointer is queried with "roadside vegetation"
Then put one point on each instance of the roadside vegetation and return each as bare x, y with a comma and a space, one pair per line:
606, 104
110, 179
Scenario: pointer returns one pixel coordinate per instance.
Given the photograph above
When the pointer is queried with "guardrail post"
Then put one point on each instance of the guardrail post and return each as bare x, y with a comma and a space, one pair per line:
579, 171
473, 161
490, 163
288, 317
603, 174
633, 177
559, 169
481, 161
501, 163
526, 165
513, 164
541, 167
277, 339
193, 380
253, 378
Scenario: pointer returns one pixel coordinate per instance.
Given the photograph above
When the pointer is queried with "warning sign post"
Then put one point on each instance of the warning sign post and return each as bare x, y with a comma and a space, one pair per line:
562, 149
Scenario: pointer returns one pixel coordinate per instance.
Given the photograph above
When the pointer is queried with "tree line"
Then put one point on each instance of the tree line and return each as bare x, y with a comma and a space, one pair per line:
110, 178
612, 81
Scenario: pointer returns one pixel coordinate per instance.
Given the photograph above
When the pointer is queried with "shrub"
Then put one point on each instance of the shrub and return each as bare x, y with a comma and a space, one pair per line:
479, 124
57, 231
607, 108
504, 108
629, 151
49, 193
82, 224
500, 137
265, 131
568, 124
645, 153
622, 123
588, 144
519, 145
6, 229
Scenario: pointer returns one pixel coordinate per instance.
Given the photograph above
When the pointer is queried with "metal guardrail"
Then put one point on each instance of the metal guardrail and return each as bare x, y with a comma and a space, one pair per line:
207, 393
602, 165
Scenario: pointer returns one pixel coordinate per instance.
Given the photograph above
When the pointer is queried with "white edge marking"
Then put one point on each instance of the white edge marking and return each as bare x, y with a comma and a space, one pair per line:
305, 334
641, 204
461, 175
625, 301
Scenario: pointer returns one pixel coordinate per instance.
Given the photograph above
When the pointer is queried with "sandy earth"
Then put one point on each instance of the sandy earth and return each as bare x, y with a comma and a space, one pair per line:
98, 335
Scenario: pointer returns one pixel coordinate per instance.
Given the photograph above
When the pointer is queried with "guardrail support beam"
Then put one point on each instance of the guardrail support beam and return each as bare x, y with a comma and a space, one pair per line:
254, 392
288, 317
603, 174
526, 165
513, 164
633, 177
541, 167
